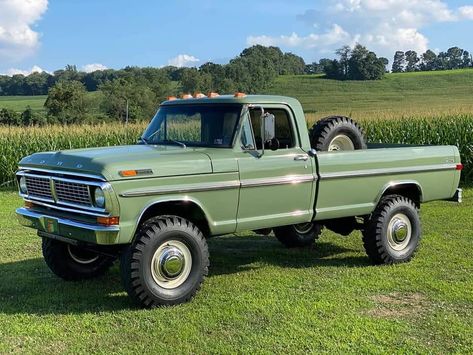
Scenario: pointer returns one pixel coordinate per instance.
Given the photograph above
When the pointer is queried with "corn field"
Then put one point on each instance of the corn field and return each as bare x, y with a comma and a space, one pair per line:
17, 142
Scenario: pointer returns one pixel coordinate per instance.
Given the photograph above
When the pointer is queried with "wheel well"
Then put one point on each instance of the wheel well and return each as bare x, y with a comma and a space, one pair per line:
185, 209
411, 191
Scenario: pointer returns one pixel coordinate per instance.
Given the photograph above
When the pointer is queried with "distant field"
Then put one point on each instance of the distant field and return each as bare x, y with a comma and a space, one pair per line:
426, 94
423, 94
19, 103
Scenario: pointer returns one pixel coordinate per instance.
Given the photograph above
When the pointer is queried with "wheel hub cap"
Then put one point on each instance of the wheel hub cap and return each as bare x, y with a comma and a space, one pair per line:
399, 232
171, 262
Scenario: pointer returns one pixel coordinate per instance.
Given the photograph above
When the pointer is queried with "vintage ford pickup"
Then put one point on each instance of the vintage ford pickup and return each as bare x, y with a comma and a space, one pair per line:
212, 165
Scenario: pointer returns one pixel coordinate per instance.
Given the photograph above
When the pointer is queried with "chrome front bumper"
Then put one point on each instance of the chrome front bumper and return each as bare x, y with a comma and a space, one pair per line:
90, 233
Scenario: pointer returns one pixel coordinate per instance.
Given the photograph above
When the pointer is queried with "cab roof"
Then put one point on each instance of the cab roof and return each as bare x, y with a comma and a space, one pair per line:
231, 99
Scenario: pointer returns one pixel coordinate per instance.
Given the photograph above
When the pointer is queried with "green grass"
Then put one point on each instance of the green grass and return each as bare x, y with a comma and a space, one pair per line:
396, 96
19, 103
259, 297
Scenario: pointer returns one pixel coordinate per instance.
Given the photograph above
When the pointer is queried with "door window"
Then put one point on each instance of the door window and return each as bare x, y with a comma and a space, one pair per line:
283, 127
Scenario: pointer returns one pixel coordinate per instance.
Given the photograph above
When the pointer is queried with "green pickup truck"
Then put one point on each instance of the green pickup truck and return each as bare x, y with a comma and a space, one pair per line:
213, 165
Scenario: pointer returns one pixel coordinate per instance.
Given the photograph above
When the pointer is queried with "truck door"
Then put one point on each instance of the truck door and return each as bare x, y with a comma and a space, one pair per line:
277, 187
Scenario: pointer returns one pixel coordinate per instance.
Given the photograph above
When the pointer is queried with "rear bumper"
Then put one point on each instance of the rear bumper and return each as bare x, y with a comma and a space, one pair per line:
458, 197
90, 233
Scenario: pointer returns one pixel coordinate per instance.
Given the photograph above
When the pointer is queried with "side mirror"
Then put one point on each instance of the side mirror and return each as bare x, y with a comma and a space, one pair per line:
269, 127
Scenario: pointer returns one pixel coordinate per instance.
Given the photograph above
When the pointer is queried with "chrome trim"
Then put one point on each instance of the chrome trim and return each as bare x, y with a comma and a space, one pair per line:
68, 228
387, 171
282, 180
392, 184
60, 172
93, 227
111, 201
224, 185
64, 209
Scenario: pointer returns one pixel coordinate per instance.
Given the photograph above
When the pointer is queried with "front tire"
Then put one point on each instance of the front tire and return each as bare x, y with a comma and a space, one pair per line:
166, 264
298, 235
73, 263
393, 231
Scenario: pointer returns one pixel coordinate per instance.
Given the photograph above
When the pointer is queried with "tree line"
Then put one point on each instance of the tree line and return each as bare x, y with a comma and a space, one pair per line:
410, 61
138, 91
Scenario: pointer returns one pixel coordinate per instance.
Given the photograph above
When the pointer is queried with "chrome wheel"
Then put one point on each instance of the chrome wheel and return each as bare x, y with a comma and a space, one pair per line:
81, 256
171, 264
303, 228
399, 232
341, 142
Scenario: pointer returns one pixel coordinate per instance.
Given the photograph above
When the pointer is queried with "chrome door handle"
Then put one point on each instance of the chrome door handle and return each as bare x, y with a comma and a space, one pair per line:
301, 157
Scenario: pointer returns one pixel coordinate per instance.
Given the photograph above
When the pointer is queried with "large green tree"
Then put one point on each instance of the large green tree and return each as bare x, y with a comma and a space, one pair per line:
66, 102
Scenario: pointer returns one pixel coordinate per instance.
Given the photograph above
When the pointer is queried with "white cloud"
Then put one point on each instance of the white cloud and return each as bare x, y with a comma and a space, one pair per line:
382, 25
183, 60
89, 68
14, 71
336, 35
17, 18
466, 12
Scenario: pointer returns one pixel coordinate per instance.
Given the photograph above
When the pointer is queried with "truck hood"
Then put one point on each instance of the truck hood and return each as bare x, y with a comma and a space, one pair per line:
158, 161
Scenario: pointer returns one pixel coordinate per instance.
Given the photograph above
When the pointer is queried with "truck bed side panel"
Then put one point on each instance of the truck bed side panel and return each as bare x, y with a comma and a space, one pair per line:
351, 183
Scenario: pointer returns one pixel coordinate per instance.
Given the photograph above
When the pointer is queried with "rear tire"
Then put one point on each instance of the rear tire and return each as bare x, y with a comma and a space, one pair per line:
166, 264
337, 133
73, 263
299, 235
393, 231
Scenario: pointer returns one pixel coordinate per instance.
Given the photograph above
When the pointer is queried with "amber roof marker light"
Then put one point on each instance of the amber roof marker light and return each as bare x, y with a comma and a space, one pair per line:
186, 96
213, 94
239, 95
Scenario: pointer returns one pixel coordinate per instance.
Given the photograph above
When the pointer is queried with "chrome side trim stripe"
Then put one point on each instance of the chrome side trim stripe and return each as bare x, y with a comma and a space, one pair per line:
294, 179
224, 185
387, 171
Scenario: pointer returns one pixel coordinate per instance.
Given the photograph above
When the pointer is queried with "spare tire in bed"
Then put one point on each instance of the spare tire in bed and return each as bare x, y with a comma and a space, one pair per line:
337, 133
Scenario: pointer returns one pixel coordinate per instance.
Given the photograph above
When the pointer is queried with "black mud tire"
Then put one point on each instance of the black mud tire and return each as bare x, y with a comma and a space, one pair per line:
325, 131
298, 236
73, 263
138, 275
376, 240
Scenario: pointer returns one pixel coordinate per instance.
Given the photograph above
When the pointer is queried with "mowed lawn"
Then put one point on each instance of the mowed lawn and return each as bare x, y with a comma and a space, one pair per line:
259, 297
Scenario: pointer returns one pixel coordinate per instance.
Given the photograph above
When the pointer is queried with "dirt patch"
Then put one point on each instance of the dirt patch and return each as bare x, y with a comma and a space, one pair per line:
399, 305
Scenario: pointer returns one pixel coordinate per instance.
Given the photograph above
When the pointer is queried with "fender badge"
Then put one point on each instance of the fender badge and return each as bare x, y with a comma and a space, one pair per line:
139, 172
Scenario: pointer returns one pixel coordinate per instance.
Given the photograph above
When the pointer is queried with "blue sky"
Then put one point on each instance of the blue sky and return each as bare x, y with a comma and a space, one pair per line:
95, 34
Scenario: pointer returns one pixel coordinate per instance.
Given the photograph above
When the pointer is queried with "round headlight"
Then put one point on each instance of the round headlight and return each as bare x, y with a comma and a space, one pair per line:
99, 198
23, 187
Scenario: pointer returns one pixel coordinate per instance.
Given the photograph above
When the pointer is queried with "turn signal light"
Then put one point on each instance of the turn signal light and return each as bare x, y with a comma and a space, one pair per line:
128, 173
213, 94
240, 94
108, 221
459, 167
29, 204
186, 96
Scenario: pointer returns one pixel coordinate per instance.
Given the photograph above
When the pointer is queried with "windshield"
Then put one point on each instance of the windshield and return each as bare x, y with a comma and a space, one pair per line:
194, 125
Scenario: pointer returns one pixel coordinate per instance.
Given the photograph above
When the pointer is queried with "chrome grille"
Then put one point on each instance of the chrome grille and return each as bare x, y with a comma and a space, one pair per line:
39, 187
69, 192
